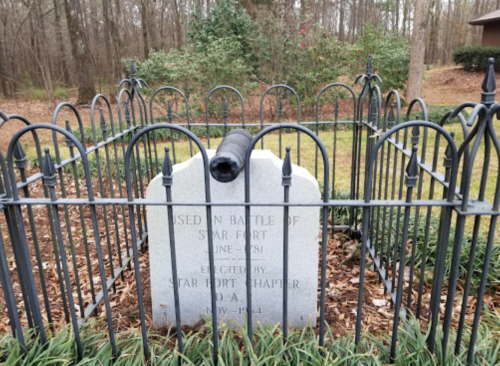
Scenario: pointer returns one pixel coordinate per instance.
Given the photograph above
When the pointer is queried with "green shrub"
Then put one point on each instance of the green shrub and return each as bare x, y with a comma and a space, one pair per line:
198, 72
61, 93
315, 59
35, 93
390, 54
474, 58
224, 20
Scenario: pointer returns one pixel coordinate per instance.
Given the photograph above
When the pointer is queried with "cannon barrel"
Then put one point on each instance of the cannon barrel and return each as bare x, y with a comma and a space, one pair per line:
229, 159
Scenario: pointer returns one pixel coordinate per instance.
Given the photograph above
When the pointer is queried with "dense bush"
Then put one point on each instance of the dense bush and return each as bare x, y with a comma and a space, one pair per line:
391, 56
228, 47
197, 72
317, 59
224, 21
474, 58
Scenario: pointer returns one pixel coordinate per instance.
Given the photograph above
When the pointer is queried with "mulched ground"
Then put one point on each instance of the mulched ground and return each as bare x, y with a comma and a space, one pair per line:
342, 272
342, 284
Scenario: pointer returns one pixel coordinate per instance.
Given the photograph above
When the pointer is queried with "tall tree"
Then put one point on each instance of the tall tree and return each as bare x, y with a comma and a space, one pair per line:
61, 59
416, 69
3, 72
144, 25
110, 50
178, 26
80, 51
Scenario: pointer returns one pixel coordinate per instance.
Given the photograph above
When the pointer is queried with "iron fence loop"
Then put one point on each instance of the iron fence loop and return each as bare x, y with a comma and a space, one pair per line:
290, 89
324, 239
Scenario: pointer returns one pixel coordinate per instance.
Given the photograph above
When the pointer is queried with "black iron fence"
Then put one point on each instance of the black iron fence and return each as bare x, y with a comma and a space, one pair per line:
74, 219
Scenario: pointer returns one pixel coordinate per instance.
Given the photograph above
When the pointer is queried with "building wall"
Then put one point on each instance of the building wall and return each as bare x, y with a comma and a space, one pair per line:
491, 34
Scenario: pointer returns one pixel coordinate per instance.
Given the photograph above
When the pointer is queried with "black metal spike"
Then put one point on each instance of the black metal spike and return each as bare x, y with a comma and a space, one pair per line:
69, 142
169, 112
412, 169
280, 107
287, 169
447, 154
20, 156
336, 108
127, 113
489, 82
224, 108
132, 69
391, 119
48, 170
415, 134
104, 128
167, 169
372, 110
369, 68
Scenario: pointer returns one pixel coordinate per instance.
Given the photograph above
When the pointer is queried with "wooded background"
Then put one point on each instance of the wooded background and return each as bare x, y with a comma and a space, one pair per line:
50, 43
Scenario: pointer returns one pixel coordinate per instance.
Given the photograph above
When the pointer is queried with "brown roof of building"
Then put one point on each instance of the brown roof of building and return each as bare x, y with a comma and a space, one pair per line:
488, 18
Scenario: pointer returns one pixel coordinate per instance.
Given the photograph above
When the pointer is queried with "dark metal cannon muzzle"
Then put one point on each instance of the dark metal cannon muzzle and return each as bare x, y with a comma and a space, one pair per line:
229, 159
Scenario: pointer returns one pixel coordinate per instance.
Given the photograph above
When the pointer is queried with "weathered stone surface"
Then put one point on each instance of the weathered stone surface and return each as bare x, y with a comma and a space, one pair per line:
229, 245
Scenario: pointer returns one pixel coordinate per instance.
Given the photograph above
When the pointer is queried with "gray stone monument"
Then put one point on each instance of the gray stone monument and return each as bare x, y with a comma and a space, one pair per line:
190, 229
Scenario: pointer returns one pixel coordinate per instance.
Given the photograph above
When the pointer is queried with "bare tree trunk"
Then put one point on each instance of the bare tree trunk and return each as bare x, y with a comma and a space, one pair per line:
416, 70
111, 67
341, 20
303, 13
434, 35
144, 16
352, 27
151, 24
289, 18
117, 32
178, 28
162, 24
63, 66
81, 52
398, 5
361, 16
3, 72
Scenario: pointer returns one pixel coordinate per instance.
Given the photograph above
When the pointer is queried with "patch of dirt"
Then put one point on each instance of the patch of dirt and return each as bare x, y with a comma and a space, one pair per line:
452, 86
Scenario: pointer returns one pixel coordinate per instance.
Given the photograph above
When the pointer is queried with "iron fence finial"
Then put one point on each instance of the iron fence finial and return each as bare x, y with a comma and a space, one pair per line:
280, 106
287, 169
369, 67
20, 156
391, 119
336, 108
48, 170
69, 142
132, 69
448, 154
415, 134
169, 111
104, 128
167, 169
489, 84
127, 113
412, 169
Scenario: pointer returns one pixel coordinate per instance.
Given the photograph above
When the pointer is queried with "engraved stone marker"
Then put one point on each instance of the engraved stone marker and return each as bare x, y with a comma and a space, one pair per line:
190, 230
